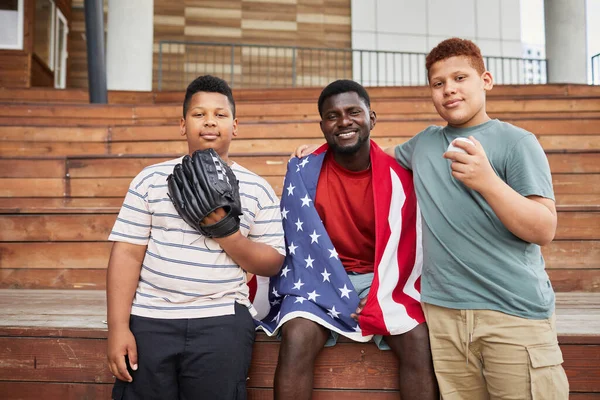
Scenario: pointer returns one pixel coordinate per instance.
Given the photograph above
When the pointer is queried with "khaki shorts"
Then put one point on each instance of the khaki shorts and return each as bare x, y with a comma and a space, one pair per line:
484, 354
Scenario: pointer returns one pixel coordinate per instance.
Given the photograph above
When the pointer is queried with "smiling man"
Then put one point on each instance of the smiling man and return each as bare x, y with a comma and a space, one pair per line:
352, 232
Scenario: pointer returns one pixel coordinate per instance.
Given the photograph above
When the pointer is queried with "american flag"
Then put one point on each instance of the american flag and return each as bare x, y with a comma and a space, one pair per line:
313, 283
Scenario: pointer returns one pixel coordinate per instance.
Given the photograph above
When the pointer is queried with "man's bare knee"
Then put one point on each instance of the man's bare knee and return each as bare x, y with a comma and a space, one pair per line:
413, 346
301, 340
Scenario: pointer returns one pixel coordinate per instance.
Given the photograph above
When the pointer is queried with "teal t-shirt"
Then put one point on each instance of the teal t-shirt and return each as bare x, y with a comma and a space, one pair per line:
470, 259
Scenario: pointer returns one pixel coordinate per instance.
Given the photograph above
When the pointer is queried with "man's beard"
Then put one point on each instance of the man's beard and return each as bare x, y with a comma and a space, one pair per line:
347, 149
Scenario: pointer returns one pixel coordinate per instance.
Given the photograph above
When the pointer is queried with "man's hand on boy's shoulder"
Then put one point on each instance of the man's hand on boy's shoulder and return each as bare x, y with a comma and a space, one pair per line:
472, 168
304, 150
121, 347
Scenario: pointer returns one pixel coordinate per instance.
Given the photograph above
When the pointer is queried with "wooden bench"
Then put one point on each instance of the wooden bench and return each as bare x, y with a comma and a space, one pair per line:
54, 342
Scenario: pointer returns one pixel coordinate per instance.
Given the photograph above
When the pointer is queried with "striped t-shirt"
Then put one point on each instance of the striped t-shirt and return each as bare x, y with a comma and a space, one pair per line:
184, 274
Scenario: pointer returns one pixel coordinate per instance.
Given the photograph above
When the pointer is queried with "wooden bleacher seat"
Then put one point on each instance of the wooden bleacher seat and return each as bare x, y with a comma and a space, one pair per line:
53, 342
65, 167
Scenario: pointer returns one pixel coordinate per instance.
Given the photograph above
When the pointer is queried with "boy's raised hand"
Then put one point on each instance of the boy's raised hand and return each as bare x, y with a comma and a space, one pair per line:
121, 344
473, 168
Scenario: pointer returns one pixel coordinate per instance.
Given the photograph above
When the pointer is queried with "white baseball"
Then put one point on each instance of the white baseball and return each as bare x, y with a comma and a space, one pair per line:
451, 147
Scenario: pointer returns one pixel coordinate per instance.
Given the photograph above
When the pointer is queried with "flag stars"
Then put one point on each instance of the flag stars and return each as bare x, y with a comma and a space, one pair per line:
284, 213
290, 189
313, 295
276, 318
333, 313
333, 253
309, 262
299, 284
357, 329
306, 201
275, 293
304, 162
300, 300
275, 302
314, 238
292, 249
299, 225
326, 275
345, 291
285, 271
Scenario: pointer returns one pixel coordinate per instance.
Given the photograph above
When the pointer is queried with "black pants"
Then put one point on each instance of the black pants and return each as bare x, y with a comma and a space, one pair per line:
189, 359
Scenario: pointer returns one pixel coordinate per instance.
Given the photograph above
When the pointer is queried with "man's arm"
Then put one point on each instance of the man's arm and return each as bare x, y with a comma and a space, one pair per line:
122, 279
532, 219
390, 151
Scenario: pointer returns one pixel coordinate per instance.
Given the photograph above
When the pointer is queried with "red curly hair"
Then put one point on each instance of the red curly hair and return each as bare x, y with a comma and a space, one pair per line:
456, 47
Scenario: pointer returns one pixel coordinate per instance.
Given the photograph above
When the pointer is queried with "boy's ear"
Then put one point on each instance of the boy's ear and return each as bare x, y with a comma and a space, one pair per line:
235, 127
182, 130
488, 80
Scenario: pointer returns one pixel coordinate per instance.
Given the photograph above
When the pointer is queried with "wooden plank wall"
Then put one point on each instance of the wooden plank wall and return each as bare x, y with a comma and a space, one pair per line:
23, 68
307, 23
41, 75
15, 65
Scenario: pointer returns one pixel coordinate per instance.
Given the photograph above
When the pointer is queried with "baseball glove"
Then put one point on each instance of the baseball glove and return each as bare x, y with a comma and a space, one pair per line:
200, 185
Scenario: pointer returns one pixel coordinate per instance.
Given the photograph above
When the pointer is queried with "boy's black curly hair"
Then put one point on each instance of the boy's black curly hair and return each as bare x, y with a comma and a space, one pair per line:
211, 84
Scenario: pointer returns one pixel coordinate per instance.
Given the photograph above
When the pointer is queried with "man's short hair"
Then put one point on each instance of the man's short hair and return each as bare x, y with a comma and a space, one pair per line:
211, 84
343, 86
456, 47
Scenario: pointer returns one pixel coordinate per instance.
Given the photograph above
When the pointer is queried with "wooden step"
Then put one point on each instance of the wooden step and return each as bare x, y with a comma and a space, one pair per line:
292, 109
563, 280
406, 128
571, 191
573, 173
104, 205
242, 145
560, 254
70, 250
48, 95
575, 163
60, 205
55, 342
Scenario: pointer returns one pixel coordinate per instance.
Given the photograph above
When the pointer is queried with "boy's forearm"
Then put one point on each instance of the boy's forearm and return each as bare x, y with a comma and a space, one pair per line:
526, 218
121, 282
254, 257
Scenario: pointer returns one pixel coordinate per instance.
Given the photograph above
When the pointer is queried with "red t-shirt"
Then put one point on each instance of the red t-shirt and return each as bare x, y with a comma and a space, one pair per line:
344, 201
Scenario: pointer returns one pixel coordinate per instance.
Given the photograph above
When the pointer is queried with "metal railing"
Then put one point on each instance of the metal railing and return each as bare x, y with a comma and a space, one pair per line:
263, 66
596, 69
